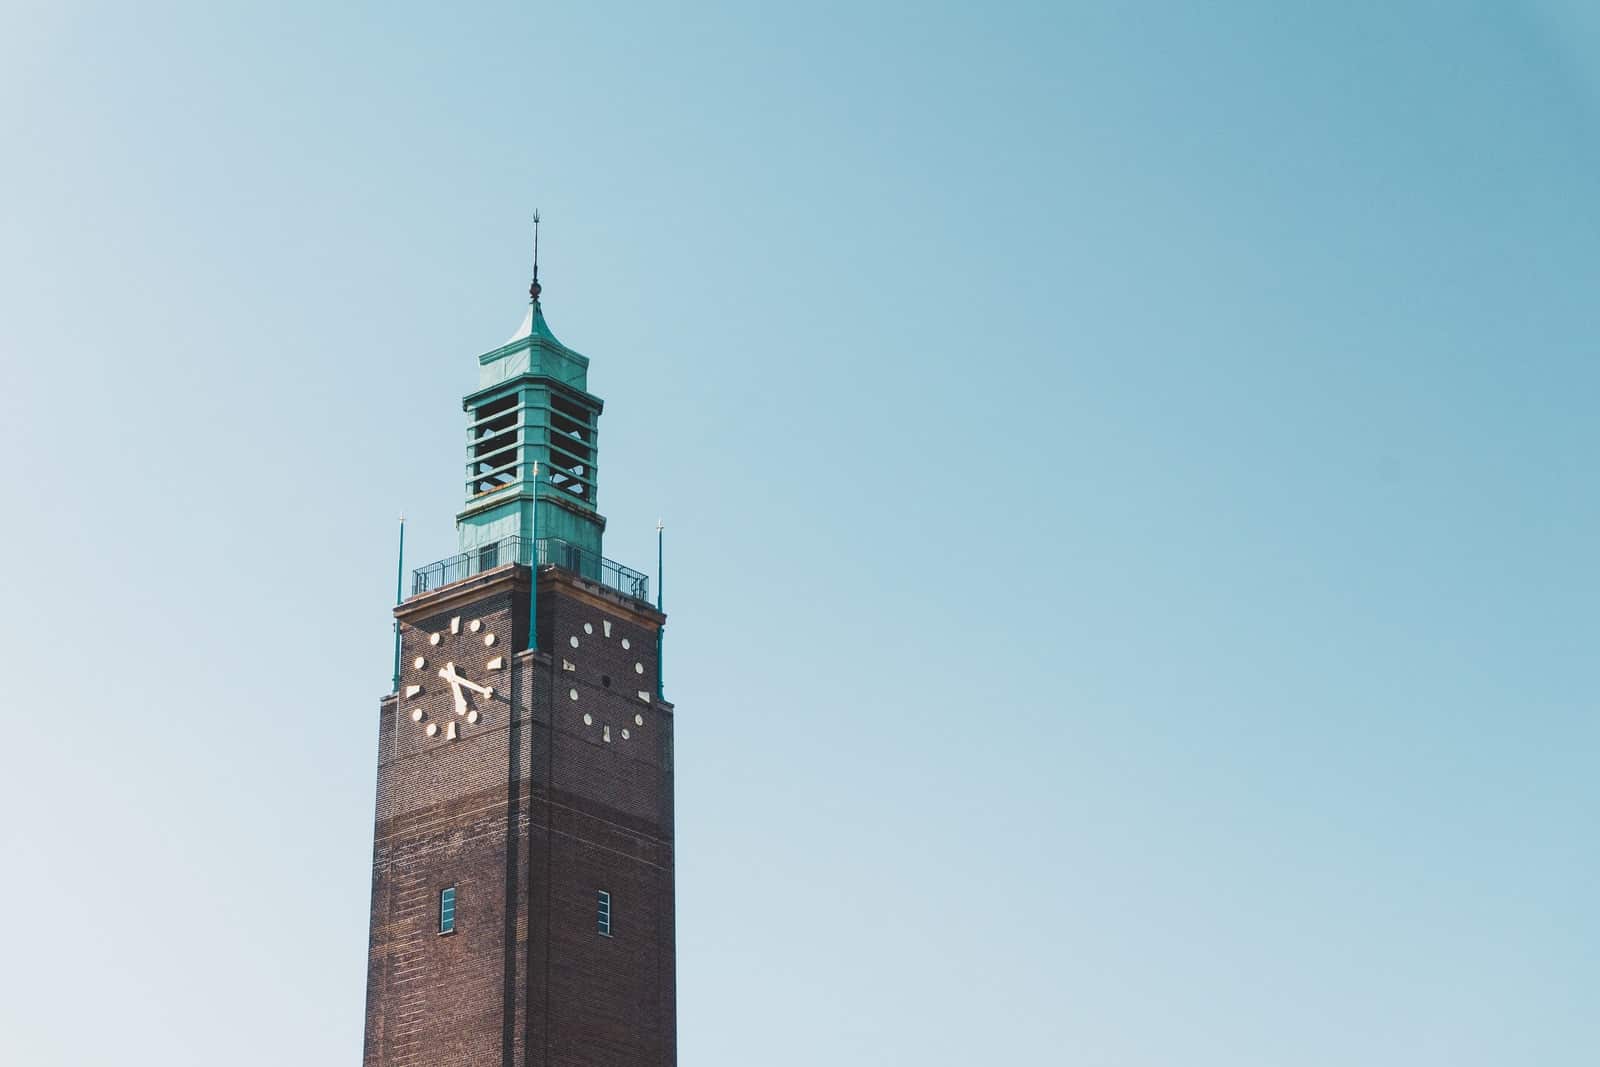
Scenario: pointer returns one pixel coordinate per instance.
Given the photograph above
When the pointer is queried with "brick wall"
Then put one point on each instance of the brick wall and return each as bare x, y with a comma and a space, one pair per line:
528, 812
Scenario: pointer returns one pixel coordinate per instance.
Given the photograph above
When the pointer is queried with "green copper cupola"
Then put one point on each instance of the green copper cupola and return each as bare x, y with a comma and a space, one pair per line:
532, 428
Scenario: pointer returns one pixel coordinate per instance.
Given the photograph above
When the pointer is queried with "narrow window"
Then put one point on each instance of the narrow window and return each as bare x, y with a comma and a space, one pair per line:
604, 922
447, 910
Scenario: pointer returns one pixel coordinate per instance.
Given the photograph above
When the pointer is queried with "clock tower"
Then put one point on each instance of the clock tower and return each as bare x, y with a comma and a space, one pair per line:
522, 867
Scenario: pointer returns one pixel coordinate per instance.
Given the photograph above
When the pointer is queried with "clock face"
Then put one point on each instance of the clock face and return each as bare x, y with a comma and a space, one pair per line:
463, 660
608, 720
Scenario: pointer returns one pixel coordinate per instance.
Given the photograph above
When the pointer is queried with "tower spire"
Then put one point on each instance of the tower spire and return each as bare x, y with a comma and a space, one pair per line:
533, 290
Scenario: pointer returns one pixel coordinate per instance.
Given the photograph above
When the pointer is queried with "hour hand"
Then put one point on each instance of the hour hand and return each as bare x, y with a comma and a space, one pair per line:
448, 673
457, 683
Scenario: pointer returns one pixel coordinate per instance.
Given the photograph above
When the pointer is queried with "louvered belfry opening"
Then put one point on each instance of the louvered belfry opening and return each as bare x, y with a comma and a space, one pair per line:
495, 437
571, 447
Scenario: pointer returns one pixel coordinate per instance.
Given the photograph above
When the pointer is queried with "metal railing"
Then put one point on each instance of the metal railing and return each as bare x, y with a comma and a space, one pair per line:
553, 552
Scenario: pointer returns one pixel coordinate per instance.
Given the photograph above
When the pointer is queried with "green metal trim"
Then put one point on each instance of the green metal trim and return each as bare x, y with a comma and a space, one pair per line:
533, 570
661, 669
579, 508
473, 399
399, 598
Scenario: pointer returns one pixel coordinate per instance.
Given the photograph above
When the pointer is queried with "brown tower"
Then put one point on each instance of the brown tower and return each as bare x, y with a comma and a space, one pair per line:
522, 873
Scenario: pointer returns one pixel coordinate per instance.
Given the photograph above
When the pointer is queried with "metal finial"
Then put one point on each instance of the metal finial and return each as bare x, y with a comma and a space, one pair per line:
533, 290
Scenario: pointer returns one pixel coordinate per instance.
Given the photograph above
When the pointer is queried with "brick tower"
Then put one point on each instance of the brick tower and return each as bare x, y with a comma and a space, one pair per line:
522, 866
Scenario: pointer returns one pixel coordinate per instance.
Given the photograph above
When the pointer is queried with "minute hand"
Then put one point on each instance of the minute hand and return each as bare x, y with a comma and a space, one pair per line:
448, 673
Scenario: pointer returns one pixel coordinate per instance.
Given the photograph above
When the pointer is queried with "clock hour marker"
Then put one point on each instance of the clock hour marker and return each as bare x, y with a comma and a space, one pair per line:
472, 716
419, 663
475, 625
449, 731
638, 668
488, 640
588, 627
573, 640
638, 720
496, 664
606, 623
433, 728
624, 733
588, 720
644, 696
573, 693
568, 665
455, 625
434, 640
416, 715
625, 644
605, 734
412, 690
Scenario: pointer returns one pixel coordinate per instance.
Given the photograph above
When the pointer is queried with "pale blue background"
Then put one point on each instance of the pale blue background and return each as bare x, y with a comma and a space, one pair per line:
1129, 484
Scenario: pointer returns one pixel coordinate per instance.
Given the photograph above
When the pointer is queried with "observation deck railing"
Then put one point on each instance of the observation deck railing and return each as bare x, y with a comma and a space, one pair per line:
552, 552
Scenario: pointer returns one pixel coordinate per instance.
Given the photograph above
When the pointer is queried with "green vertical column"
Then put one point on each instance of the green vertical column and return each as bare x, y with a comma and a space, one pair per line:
399, 598
661, 630
533, 567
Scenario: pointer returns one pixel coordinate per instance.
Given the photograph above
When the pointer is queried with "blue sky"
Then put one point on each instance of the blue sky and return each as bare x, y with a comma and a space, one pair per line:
1128, 475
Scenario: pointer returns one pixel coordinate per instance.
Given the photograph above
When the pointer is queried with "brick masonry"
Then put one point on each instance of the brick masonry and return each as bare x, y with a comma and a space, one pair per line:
529, 811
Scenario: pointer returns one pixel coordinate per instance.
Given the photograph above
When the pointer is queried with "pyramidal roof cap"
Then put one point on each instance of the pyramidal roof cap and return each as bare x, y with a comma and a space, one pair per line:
533, 325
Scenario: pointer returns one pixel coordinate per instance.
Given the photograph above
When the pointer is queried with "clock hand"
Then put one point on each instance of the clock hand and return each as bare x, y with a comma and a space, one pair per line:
448, 673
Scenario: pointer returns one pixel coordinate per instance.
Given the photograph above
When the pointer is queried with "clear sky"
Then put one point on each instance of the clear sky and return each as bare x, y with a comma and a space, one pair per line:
1129, 475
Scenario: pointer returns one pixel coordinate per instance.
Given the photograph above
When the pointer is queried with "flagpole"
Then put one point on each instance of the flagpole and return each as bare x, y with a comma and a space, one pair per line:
533, 569
399, 598
660, 683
